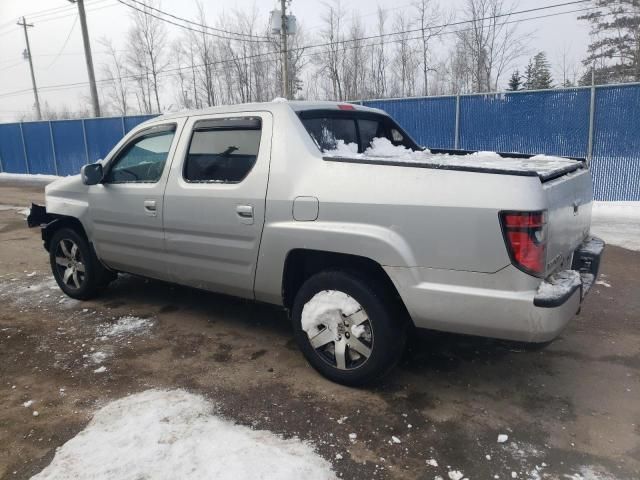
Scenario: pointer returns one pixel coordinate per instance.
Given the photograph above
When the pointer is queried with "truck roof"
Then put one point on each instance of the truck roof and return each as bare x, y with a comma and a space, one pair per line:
295, 105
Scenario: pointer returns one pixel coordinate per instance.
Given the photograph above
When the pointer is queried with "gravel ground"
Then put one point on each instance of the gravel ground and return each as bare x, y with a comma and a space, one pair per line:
571, 410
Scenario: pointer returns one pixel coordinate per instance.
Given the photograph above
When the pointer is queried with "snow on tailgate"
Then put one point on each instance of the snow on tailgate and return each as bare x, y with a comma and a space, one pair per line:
382, 149
174, 434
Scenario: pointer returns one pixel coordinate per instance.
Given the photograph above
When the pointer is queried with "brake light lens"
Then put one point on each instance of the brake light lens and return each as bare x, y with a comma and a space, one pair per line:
346, 106
525, 234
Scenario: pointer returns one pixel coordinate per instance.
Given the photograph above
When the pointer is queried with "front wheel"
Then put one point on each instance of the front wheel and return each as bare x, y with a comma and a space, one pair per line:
75, 267
348, 329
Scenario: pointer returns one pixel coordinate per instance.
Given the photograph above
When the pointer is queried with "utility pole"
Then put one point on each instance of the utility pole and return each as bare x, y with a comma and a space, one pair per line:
24, 24
88, 58
283, 49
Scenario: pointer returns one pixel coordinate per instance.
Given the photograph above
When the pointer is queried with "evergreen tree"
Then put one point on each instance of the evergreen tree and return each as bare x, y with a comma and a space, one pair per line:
543, 78
515, 82
537, 75
614, 50
529, 76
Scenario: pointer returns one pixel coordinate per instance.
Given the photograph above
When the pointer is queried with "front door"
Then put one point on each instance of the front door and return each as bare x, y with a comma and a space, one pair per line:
215, 202
125, 210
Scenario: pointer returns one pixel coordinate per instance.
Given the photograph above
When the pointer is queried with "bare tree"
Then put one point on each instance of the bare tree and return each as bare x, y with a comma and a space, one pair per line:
379, 60
148, 38
330, 59
492, 43
116, 87
405, 58
430, 21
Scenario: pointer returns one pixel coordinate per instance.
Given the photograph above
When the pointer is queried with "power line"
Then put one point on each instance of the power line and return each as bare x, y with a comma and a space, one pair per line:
249, 57
64, 45
193, 29
151, 7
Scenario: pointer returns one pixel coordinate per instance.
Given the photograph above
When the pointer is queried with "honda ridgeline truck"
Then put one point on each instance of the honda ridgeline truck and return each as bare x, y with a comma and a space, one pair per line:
289, 203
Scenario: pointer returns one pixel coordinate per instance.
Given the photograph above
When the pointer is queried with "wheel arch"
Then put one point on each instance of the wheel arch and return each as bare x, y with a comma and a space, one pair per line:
59, 222
300, 264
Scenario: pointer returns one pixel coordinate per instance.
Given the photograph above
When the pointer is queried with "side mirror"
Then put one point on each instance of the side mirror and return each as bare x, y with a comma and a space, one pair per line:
91, 174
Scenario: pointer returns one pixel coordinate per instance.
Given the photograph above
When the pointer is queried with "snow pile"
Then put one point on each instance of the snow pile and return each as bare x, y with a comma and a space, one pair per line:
28, 178
127, 325
174, 434
326, 308
617, 223
559, 284
382, 149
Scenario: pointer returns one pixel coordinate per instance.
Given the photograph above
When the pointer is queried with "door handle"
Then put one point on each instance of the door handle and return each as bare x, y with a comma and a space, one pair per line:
150, 207
245, 212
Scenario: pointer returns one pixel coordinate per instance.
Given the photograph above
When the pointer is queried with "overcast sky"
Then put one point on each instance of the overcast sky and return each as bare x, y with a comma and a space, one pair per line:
56, 63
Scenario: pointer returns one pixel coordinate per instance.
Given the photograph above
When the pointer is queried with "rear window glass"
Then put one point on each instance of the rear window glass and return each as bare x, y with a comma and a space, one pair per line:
223, 155
370, 129
327, 132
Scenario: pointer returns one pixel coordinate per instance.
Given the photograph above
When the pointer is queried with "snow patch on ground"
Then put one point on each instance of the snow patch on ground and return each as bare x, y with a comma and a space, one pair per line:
125, 326
617, 223
174, 434
590, 473
326, 308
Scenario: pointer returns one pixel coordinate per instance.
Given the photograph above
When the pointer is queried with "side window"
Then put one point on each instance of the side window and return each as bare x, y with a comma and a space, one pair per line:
326, 131
143, 159
223, 150
397, 137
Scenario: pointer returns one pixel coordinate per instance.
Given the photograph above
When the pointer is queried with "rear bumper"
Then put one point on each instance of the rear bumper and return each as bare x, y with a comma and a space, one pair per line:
505, 304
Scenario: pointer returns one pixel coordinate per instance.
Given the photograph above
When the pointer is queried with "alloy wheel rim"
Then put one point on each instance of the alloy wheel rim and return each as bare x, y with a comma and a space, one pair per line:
70, 264
348, 344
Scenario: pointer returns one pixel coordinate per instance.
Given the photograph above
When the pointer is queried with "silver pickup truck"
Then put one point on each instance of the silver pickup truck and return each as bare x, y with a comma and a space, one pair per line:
289, 203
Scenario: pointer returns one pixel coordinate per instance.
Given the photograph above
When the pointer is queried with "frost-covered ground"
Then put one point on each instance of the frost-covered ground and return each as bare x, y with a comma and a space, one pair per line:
173, 434
617, 223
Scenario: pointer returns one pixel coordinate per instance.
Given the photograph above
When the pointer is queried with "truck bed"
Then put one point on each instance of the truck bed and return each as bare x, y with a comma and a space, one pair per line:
545, 167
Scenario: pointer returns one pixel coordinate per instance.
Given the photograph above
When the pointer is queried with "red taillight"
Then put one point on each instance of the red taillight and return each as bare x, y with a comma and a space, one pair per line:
525, 235
346, 106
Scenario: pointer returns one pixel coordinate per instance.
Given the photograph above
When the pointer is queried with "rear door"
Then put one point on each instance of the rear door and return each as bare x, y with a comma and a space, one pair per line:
125, 209
214, 206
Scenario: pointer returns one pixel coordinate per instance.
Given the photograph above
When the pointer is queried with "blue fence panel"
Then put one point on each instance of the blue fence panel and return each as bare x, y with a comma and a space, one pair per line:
551, 122
102, 135
554, 122
430, 121
11, 151
68, 140
132, 121
616, 143
37, 142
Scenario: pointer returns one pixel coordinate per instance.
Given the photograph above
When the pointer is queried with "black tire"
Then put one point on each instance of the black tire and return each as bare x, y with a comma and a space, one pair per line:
88, 275
385, 319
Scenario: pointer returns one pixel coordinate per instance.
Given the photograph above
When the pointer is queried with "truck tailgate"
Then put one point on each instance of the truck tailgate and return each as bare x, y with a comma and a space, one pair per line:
569, 201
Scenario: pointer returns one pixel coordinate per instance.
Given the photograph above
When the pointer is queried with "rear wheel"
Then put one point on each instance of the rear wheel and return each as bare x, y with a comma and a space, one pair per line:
75, 266
349, 330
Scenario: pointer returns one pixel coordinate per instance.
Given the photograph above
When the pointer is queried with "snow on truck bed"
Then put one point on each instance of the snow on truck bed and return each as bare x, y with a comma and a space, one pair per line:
382, 150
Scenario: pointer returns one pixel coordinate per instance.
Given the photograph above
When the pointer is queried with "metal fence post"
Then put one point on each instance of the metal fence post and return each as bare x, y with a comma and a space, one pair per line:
53, 149
24, 148
86, 148
456, 141
592, 116
124, 130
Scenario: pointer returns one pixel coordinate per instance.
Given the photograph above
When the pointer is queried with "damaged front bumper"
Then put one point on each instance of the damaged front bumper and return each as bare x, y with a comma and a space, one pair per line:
38, 216
561, 286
